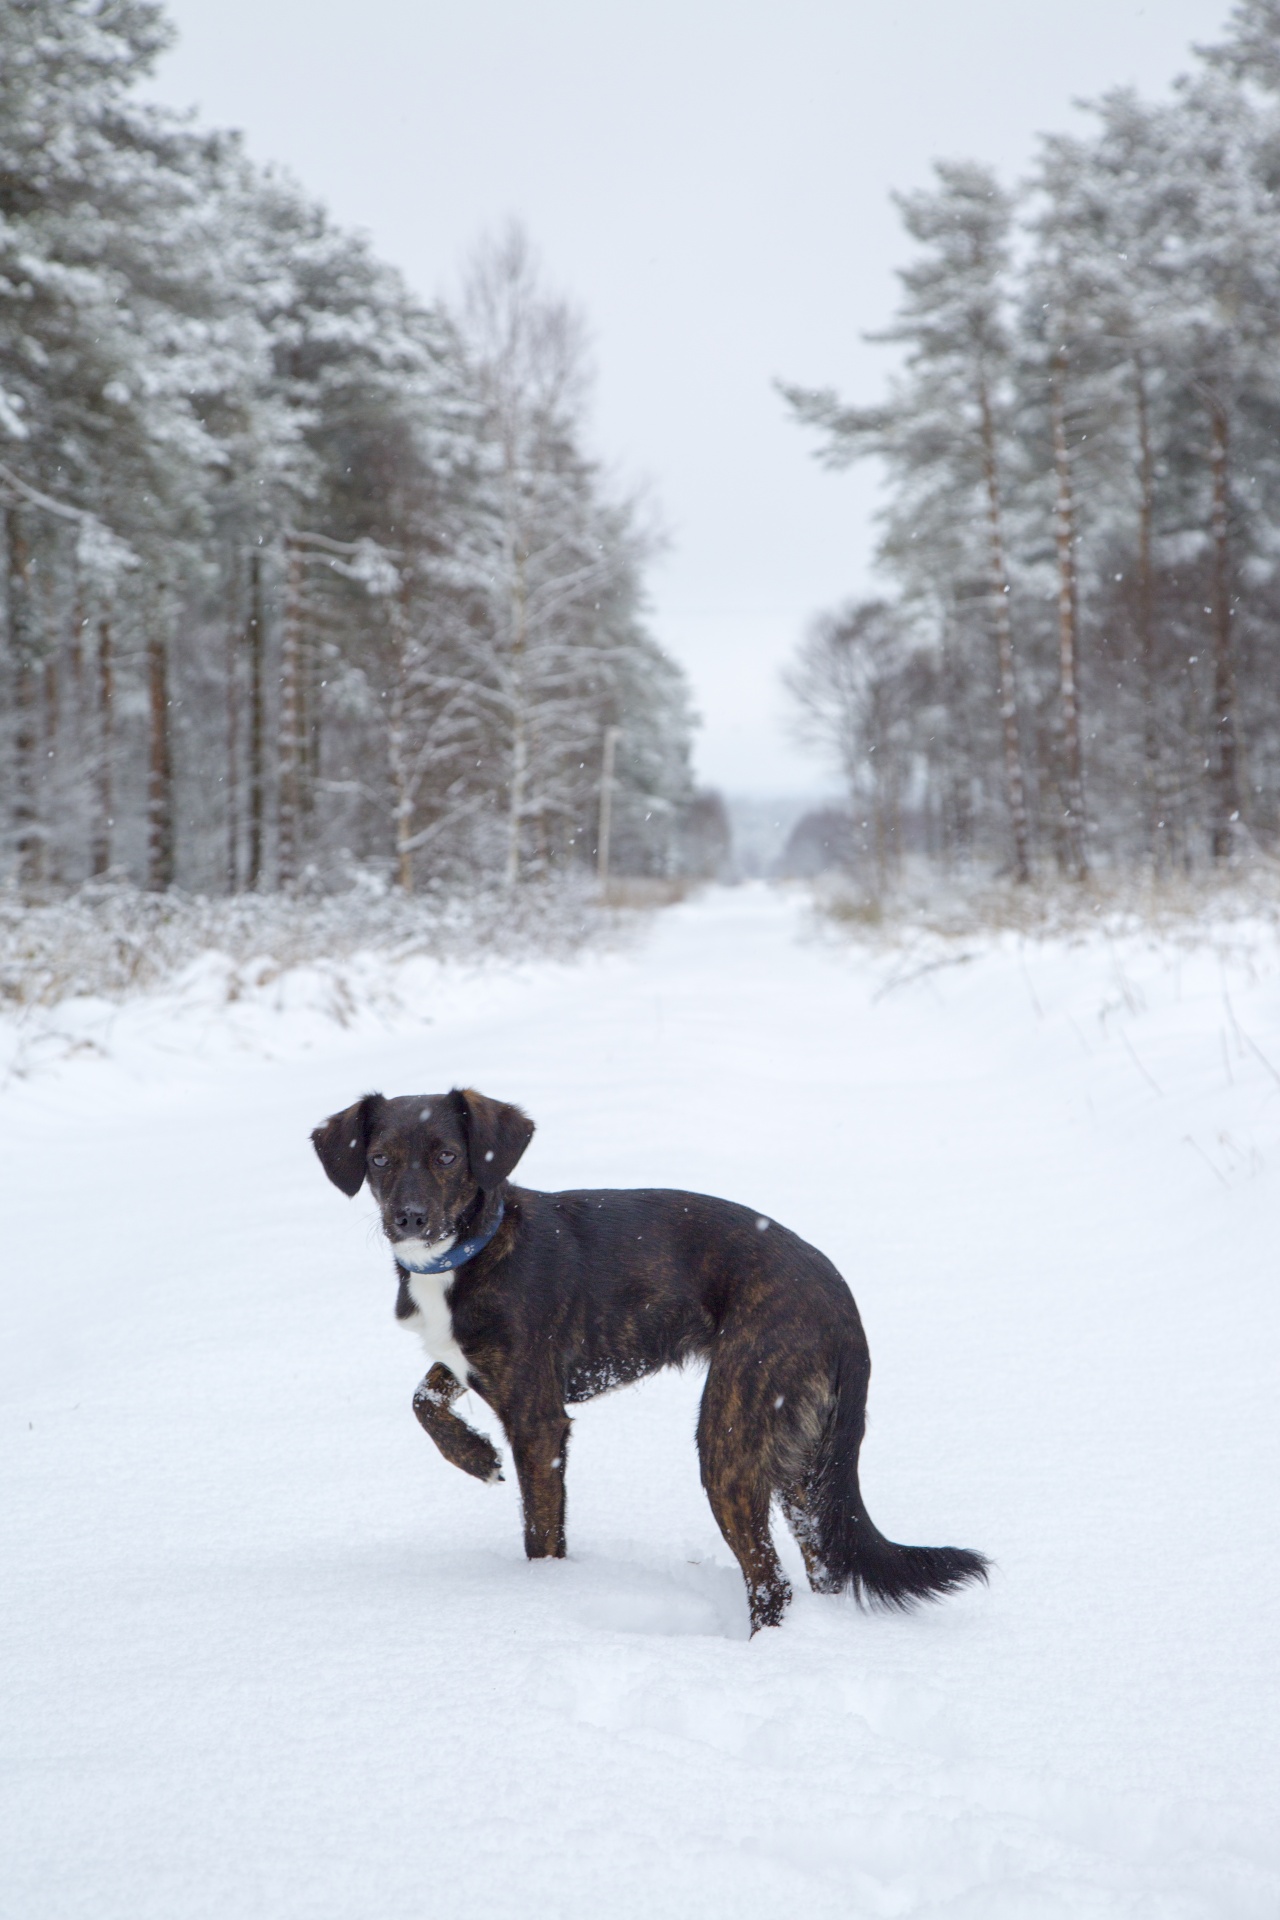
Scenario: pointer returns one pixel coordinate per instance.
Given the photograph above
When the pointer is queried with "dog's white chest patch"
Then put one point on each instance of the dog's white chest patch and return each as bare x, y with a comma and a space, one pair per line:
433, 1322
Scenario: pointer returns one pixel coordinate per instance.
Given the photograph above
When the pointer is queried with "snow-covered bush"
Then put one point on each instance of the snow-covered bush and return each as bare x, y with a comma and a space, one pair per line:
114, 940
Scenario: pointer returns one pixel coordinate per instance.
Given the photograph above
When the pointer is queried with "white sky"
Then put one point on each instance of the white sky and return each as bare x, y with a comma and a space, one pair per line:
709, 180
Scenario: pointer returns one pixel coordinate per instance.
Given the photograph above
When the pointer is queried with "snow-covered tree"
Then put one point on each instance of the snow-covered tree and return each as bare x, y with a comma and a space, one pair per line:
857, 685
297, 569
1099, 410
945, 432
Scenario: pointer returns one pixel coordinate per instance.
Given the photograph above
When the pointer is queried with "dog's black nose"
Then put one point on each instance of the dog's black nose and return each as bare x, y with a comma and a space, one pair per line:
410, 1222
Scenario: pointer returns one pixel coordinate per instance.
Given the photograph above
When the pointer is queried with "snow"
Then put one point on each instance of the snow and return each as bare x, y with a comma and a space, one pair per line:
264, 1652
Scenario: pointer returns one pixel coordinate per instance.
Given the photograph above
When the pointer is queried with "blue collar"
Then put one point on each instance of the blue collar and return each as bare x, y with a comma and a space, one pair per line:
459, 1255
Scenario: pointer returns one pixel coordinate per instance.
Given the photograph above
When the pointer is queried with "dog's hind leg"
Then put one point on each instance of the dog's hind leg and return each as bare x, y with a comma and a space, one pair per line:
798, 1511
459, 1443
734, 1452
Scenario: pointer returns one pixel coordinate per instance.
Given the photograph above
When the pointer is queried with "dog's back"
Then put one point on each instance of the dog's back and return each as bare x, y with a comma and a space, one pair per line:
618, 1282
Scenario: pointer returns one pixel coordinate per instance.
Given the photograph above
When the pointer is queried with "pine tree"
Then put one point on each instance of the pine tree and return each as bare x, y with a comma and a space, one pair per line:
1118, 446
945, 433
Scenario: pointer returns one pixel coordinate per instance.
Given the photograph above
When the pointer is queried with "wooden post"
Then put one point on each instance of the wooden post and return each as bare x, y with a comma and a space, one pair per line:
606, 807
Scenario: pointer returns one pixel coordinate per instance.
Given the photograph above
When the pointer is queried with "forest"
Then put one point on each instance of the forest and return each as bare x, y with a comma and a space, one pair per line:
302, 576
1076, 664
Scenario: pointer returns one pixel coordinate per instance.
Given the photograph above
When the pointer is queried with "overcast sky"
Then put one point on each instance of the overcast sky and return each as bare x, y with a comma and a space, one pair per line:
709, 180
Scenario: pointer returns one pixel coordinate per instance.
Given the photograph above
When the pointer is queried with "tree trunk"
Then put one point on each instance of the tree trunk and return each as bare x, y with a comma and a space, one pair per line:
28, 839
519, 732
79, 756
1157, 829
403, 798
955, 755
1014, 785
254, 650
606, 808
160, 754
100, 835
1226, 787
288, 741
233, 740
515, 813
1068, 628
402, 785
79, 627
51, 689
308, 711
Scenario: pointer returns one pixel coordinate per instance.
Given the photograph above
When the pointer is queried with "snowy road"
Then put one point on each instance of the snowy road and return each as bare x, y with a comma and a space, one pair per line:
264, 1653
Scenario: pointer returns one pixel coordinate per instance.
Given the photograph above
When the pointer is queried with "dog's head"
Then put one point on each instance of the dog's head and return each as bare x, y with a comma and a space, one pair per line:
431, 1160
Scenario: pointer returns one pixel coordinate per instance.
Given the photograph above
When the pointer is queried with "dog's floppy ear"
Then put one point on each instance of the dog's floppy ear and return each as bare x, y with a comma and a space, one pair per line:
497, 1135
343, 1141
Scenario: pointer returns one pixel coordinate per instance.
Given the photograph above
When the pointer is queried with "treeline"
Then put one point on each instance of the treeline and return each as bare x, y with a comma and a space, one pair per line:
300, 574
1081, 660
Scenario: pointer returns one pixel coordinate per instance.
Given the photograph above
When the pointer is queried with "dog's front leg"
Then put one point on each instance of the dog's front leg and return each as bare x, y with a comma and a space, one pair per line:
539, 1447
458, 1442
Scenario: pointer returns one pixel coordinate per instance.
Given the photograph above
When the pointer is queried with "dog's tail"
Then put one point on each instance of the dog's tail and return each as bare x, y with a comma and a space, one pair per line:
852, 1552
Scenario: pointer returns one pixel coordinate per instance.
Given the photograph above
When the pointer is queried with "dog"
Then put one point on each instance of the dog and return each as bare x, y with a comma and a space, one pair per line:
538, 1301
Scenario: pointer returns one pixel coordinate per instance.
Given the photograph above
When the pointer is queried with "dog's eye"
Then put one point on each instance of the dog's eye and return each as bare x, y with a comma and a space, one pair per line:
378, 1159
445, 1157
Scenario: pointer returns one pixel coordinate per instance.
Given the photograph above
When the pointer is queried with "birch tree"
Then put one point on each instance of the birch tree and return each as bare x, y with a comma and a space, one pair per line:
557, 553
854, 690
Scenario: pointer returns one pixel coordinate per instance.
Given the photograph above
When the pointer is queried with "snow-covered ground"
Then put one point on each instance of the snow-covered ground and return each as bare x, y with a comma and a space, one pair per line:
265, 1654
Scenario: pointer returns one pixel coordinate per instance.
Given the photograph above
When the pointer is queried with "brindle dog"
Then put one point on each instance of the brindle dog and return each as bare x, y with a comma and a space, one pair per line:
552, 1298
